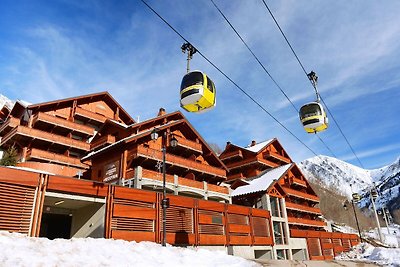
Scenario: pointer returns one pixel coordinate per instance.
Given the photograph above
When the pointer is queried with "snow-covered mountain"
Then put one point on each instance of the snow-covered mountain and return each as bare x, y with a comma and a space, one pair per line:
346, 179
5, 101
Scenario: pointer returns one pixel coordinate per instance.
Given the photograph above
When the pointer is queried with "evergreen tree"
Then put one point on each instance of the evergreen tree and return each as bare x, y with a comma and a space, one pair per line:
9, 157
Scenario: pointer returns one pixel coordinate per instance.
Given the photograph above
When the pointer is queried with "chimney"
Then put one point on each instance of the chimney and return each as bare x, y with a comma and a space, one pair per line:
227, 144
253, 143
161, 112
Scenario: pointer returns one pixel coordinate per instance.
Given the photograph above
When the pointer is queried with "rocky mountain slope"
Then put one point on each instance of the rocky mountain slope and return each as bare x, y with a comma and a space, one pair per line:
345, 179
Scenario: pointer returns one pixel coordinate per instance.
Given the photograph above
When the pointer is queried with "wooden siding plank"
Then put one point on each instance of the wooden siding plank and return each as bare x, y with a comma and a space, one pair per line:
135, 194
72, 185
133, 236
212, 239
134, 212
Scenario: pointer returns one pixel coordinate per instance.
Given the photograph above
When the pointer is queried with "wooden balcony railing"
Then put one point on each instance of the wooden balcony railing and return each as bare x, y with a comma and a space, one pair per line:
232, 154
44, 136
299, 194
236, 176
297, 181
102, 141
303, 208
89, 115
182, 162
59, 122
184, 181
253, 160
307, 222
9, 123
275, 155
189, 144
53, 157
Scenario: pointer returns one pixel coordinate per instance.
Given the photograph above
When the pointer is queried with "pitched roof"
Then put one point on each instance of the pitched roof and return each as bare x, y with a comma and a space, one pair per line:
104, 96
263, 182
158, 122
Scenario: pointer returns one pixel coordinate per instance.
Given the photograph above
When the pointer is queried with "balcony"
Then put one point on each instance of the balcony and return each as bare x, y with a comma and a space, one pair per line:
103, 141
302, 208
59, 122
53, 157
270, 154
297, 181
32, 134
184, 181
9, 124
306, 222
89, 116
189, 144
298, 194
236, 176
232, 155
181, 162
250, 161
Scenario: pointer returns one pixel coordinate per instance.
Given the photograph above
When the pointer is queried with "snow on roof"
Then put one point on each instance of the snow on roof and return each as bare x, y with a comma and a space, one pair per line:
29, 170
263, 182
259, 146
119, 123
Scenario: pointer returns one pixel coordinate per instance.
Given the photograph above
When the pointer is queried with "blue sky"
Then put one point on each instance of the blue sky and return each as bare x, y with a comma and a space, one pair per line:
56, 49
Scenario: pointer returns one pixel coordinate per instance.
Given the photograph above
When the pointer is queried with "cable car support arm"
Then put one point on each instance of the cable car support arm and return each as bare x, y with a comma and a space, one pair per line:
312, 76
191, 50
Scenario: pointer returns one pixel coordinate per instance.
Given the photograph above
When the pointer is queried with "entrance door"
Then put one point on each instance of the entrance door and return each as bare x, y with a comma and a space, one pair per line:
55, 226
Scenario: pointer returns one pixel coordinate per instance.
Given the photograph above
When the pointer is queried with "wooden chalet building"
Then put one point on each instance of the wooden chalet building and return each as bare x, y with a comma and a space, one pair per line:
54, 136
263, 176
87, 169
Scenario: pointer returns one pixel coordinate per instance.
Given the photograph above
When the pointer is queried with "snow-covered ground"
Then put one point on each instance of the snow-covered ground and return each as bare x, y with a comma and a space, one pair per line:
382, 256
367, 253
19, 250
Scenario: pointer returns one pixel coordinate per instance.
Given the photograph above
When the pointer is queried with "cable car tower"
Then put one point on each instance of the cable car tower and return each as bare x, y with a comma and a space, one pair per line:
313, 115
197, 91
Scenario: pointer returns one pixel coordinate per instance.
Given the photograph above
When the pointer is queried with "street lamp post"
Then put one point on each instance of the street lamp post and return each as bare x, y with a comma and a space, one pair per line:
165, 200
355, 198
374, 194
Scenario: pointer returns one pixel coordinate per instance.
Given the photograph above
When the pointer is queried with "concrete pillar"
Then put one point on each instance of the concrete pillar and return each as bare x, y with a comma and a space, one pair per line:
138, 177
176, 184
205, 187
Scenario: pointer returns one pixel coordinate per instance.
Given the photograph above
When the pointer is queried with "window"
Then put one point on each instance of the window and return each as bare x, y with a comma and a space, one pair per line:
276, 209
279, 233
210, 85
192, 78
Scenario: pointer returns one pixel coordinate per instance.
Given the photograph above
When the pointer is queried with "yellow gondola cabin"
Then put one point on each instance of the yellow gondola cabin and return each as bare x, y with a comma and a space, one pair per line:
313, 117
197, 92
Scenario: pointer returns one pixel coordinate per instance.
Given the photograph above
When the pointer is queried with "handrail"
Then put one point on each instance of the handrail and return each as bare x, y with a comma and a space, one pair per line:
64, 123
299, 194
176, 160
53, 138
302, 221
295, 206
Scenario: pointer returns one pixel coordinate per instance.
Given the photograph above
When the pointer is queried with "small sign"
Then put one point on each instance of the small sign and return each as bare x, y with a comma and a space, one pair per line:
111, 171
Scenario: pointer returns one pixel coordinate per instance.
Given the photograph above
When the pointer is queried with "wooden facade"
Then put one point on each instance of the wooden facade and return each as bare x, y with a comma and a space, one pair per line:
192, 161
57, 133
301, 200
133, 214
326, 245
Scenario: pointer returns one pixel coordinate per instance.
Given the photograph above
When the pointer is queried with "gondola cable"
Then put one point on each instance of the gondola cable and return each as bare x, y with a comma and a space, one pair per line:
227, 77
304, 70
267, 72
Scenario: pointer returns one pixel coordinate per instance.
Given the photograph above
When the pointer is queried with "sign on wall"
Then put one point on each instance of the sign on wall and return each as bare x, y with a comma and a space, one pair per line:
111, 171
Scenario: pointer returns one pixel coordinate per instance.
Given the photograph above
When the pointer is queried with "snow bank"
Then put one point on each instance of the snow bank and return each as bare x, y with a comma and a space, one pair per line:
367, 253
19, 250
